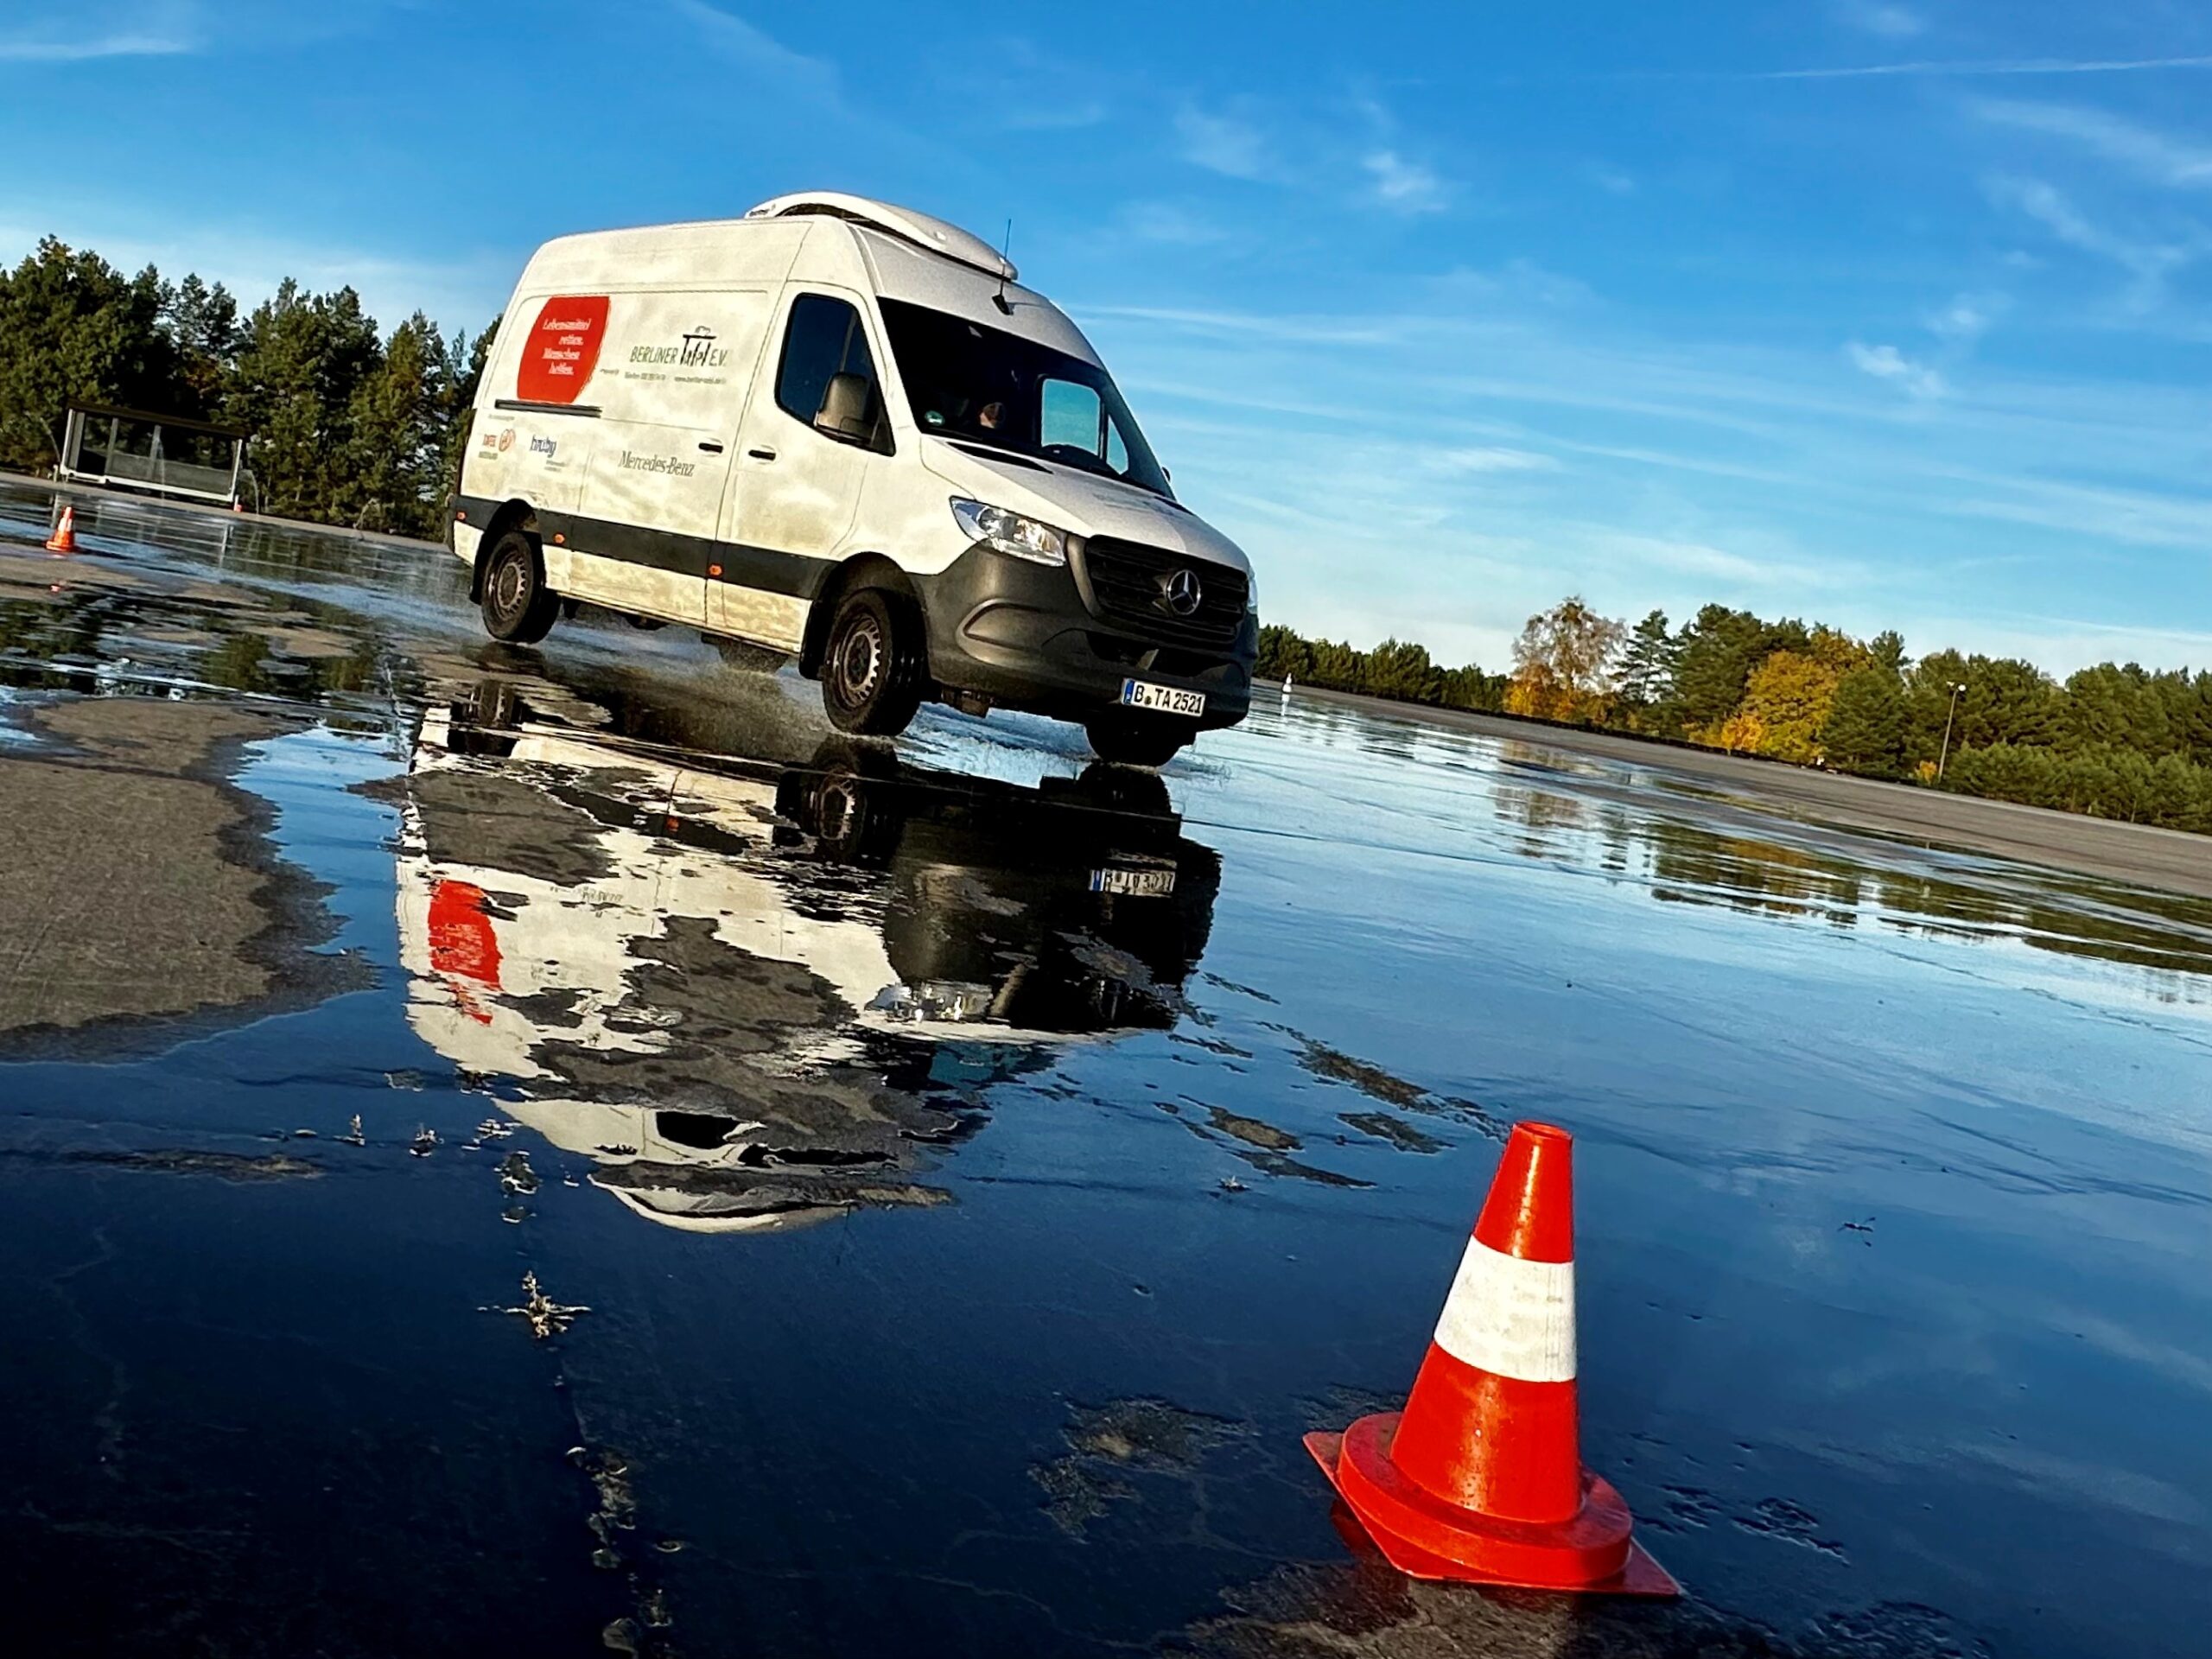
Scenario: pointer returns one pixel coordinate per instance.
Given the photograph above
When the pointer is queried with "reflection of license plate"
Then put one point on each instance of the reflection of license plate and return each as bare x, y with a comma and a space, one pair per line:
1134, 884
1141, 693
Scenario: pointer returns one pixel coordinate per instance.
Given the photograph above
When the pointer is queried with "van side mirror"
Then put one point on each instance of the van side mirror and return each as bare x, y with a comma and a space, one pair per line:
847, 410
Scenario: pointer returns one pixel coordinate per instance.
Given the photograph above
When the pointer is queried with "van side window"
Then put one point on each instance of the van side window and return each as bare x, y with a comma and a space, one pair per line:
827, 378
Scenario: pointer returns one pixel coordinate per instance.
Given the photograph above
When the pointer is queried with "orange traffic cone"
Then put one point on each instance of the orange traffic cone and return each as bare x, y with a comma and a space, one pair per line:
64, 539
1480, 1478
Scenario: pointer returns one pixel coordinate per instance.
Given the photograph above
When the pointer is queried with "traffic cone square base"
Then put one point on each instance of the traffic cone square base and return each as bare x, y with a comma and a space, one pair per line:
1639, 1575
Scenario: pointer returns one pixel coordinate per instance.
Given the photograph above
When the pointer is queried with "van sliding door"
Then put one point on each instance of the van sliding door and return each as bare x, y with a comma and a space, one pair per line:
669, 385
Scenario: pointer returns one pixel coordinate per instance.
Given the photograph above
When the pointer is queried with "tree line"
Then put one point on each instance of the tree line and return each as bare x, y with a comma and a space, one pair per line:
2113, 741
350, 425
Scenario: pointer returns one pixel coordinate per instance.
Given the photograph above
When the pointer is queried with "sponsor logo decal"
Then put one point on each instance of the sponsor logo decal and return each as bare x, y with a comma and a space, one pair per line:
696, 349
562, 349
496, 443
674, 466
545, 447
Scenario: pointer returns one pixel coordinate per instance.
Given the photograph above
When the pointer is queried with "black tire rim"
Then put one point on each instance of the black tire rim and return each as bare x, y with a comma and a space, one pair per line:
510, 587
860, 661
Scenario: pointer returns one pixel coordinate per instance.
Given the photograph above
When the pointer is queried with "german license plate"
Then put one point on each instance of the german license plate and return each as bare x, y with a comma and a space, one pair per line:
1162, 699
1134, 884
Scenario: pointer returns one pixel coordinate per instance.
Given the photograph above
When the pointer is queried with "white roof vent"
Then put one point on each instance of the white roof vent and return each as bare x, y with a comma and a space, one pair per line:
933, 235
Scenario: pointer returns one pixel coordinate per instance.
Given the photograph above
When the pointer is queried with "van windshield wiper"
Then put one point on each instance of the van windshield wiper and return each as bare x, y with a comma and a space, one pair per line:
1069, 455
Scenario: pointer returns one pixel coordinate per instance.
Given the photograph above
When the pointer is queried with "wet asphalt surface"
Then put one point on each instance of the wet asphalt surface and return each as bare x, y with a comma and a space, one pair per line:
553, 1151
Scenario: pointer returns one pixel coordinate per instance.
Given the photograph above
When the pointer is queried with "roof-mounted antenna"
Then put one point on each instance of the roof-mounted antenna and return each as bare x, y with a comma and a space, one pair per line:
1006, 248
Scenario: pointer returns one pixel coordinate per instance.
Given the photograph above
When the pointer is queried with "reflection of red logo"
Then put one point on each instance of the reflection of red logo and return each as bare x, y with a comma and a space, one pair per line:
562, 350
462, 944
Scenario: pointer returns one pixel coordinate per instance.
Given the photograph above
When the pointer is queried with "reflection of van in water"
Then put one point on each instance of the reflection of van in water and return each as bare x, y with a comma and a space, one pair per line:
840, 431
702, 974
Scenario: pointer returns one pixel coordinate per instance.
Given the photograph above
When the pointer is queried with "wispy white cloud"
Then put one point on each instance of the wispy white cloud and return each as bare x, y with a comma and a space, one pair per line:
1688, 558
1890, 22
1957, 69
1489, 458
1614, 180
2150, 264
1340, 331
164, 29
1516, 281
1402, 185
2157, 155
1888, 363
753, 48
1227, 144
1966, 318
1170, 223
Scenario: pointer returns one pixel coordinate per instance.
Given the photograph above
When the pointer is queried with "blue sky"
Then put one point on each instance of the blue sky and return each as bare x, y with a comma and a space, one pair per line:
1886, 314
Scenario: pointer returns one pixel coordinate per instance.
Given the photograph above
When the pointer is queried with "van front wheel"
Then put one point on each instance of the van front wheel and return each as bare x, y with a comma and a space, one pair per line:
873, 672
518, 608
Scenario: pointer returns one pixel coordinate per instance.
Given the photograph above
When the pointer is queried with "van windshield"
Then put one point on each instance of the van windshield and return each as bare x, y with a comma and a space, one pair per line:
984, 385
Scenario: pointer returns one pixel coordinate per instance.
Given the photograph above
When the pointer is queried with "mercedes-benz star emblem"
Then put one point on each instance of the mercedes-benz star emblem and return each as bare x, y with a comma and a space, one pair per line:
1182, 592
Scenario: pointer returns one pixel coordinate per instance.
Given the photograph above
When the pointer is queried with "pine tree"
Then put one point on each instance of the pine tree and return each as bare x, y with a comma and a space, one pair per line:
1866, 727
1646, 670
396, 420
301, 359
1717, 652
74, 329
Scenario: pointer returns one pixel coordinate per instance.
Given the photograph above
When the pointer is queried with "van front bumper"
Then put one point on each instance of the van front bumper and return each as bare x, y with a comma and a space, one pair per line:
1020, 634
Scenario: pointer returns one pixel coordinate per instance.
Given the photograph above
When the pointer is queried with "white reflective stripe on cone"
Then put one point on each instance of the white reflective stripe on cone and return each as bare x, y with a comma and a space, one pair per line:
1510, 1318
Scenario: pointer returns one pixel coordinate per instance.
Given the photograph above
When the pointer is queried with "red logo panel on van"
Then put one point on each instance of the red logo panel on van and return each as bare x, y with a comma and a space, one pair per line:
562, 350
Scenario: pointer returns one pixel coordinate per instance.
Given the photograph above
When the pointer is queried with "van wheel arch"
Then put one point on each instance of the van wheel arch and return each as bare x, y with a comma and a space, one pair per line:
515, 515
862, 570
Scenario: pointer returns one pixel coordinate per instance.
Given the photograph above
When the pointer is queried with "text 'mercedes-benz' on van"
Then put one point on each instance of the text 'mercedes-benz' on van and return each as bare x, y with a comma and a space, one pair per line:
838, 430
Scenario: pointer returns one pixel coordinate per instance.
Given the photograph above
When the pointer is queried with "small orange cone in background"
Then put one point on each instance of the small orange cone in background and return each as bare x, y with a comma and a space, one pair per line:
64, 539
1480, 1478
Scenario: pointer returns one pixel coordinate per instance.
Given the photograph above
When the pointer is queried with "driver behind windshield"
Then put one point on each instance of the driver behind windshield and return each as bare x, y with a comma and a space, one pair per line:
965, 379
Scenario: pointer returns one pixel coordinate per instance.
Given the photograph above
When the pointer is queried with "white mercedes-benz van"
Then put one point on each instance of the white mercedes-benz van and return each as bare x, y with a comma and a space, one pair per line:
838, 430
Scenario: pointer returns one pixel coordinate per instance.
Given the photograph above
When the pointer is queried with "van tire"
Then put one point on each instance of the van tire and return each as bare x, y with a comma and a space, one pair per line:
749, 658
873, 671
518, 608
1138, 739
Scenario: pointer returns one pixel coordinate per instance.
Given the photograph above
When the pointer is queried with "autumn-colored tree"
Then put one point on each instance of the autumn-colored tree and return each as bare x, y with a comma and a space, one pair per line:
1837, 650
1562, 663
1790, 695
1742, 732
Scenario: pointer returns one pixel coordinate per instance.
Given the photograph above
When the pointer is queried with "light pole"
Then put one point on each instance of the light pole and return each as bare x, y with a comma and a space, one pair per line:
1945, 759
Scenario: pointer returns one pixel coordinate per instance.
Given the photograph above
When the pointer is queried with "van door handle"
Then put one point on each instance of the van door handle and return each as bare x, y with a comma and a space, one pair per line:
712, 446
761, 455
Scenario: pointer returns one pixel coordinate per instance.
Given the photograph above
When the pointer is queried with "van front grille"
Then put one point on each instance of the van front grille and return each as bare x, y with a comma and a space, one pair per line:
1130, 586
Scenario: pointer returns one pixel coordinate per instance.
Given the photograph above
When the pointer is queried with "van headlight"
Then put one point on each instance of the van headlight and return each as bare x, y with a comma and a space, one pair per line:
1010, 533
1252, 592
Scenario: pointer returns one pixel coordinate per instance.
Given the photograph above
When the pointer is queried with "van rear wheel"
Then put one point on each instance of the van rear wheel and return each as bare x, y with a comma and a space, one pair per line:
518, 608
1138, 739
873, 671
